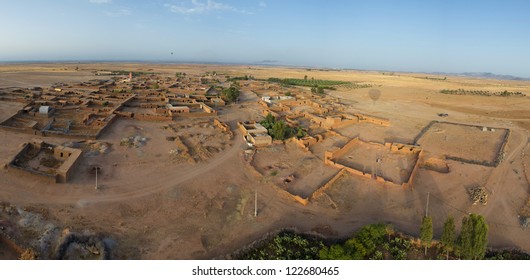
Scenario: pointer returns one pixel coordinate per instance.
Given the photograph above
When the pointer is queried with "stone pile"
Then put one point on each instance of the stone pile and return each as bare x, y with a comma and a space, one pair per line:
478, 195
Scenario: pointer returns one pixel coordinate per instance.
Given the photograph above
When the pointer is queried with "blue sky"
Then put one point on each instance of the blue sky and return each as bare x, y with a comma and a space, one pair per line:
428, 36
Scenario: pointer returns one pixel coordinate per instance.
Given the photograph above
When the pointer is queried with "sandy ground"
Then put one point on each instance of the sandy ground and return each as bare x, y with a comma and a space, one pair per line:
157, 208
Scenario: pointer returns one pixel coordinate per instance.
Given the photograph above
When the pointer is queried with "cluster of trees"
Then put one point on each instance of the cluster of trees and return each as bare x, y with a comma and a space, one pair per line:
471, 243
360, 247
285, 246
279, 130
432, 78
125, 72
325, 84
180, 74
317, 89
481, 92
380, 241
242, 78
230, 94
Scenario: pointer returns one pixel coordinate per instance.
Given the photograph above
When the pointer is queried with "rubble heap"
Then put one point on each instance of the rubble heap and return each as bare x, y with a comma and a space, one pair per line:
133, 141
478, 195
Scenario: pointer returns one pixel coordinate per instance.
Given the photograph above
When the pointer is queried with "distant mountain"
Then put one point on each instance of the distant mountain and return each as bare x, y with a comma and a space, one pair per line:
267, 61
486, 75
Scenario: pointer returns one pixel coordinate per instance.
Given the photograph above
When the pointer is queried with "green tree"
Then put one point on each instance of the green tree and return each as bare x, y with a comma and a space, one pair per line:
320, 90
269, 121
464, 239
231, 94
473, 239
480, 236
300, 132
279, 130
360, 247
448, 235
426, 232
334, 252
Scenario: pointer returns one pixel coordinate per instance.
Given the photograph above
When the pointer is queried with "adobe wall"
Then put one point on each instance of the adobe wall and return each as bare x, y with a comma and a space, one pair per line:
109, 121
152, 105
327, 185
208, 109
66, 169
19, 129
297, 198
223, 126
20, 172
413, 174
148, 117
356, 172
374, 120
305, 142
242, 128
23, 149
259, 140
500, 148
329, 157
266, 112
196, 115
124, 114
342, 151
263, 103
11, 118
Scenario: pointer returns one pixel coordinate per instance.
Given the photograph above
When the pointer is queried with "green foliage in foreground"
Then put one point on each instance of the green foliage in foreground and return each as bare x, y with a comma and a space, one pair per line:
448, 236
378, 242
426, 232
473, 239
362, 246
285, 246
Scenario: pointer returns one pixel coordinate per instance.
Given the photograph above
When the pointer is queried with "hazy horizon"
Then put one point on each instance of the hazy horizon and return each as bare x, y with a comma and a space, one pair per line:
410, 36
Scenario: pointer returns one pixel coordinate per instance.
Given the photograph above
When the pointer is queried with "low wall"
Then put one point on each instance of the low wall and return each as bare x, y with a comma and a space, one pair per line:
266, 112
305, 142
327, 185
329, 157
371, 119
414, 172
24, 173
208, 109
362, 174
147, 117
297, 198
223, 126
500, 150
66, 169
195, 115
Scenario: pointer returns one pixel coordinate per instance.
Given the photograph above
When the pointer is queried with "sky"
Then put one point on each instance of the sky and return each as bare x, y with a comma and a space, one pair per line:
418, 36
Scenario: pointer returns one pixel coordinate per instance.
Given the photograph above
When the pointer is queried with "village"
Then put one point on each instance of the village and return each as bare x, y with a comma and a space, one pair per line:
121, 136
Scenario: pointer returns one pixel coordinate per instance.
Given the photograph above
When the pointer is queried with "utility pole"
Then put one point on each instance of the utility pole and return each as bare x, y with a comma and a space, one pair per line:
97, 177
427, 207
255, 203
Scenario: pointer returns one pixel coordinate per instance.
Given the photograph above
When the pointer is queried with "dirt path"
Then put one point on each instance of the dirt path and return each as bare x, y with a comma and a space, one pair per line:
497, 178
172, 180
